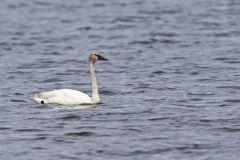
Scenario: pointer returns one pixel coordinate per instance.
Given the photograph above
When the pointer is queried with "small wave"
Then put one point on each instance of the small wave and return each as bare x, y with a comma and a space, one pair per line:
200, 94
195, 99
230, 60
28, 130
52, 53
133, 129
221, 59
39, 138
158, 72
99, 4
194, 73
184, 148
107, 92
229, 87
79, 134
52, 80
153, 100
152, 151
233, 100
233, 61
205, 80
26, 44
142, 41
86, 28
225, 34
169, 41
158, 118
38, 148
18, 100
227, 129
70, 117
40, 3
154, 40
5, 128
165, 34
18, 94
154, 139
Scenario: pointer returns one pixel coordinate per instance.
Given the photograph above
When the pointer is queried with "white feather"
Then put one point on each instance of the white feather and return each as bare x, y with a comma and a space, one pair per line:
63, 96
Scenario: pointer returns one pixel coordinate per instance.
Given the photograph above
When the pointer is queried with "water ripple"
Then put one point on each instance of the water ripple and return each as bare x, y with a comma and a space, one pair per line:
170, 89
87, 134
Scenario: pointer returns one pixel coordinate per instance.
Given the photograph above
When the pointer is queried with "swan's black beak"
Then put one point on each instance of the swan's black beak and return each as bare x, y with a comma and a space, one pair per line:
101, 58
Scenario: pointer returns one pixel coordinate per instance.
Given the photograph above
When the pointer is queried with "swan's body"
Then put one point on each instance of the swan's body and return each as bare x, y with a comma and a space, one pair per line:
63, 96
73, 97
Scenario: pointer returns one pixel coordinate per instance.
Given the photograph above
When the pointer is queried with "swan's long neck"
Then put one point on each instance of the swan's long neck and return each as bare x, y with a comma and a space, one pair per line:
95, 95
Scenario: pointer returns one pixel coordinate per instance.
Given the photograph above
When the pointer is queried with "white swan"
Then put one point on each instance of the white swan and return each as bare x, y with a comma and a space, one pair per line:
73, 97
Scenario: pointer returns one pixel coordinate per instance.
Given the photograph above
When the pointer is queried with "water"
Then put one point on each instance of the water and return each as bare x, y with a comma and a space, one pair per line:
171, 89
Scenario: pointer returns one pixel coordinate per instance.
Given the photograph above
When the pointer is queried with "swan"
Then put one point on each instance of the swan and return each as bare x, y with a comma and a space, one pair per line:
73, 97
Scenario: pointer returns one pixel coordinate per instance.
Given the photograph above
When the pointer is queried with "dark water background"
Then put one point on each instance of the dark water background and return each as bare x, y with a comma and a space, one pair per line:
171, 89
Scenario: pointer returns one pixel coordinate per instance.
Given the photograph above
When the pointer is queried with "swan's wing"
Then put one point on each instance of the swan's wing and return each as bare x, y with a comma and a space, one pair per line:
63, 96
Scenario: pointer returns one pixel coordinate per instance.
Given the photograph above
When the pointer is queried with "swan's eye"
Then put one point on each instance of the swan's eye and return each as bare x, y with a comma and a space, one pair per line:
96, 57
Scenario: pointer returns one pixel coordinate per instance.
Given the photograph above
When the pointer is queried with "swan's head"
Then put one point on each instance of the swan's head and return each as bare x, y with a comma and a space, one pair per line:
94, 57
